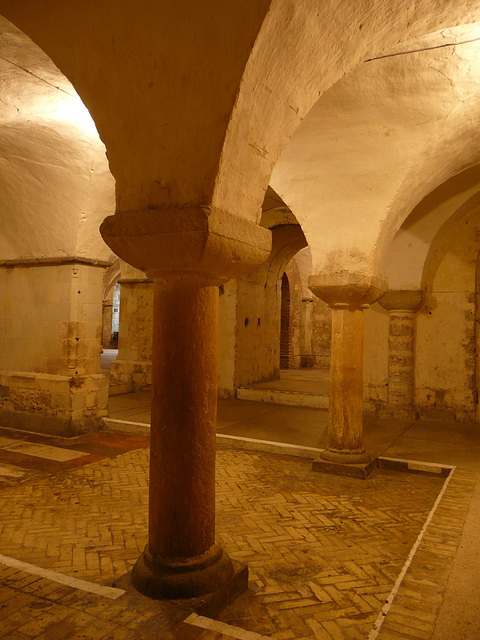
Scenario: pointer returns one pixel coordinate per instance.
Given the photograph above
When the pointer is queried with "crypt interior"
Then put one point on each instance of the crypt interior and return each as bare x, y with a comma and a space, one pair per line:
274, 203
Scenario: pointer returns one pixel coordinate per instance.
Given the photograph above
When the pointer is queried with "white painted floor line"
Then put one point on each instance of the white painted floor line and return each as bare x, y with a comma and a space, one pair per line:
136, 424
386, 607
280, 445
61, 578
424, 464
223, 628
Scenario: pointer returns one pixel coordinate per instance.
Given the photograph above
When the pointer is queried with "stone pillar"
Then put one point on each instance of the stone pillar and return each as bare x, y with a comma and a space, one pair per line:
50, 342
131, 370
347, 294
187, 253
402, 306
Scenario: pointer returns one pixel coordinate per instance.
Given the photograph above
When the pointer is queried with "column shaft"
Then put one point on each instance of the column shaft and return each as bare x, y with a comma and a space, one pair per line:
347, 294
184, 374
401, 358
402, 305
346, 381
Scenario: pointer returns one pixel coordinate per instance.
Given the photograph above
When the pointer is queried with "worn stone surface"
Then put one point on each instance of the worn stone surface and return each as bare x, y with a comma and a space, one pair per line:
50, 340
133, 364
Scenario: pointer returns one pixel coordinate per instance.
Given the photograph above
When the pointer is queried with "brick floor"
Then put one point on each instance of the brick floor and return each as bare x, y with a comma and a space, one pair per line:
323, 551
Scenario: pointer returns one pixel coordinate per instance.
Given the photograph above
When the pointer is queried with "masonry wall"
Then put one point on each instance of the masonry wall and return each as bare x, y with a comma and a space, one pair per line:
257, 354
50, 335
133, 365
227, 338
321, 334
296, 328
375, 357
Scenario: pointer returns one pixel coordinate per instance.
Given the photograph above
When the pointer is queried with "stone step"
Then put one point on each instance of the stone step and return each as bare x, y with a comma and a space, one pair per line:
291, 398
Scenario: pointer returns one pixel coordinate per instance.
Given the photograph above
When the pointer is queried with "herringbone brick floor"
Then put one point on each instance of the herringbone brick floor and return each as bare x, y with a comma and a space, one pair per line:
323, 551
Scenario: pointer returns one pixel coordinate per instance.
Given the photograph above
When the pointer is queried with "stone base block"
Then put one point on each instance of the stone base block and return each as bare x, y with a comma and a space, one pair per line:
182, 579
360, 470
211, 604
204, 585
53, 404
48, 425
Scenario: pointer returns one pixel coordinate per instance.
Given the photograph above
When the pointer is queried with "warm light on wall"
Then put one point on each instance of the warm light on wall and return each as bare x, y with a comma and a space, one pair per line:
72, 111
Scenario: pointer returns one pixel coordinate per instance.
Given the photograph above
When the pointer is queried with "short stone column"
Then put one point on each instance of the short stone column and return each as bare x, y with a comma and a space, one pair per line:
402, 306
187, 253
347, 294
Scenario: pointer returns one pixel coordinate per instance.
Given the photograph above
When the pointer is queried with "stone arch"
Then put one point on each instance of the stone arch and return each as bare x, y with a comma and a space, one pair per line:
163, 159
459, 134
405, 260
251, 352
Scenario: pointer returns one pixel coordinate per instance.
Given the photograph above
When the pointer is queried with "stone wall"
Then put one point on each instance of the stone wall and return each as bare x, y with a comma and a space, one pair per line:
295, 317
375, 357
320, 334
50, 335
133, 365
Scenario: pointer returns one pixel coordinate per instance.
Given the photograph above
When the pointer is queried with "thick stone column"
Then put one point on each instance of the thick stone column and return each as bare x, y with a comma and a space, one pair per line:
187, 253
402, 306
347, 295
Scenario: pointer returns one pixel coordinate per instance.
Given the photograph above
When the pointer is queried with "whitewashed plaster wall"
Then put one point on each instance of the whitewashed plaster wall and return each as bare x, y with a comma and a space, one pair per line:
368, 150
55, 183
216, 78
405, 259
446, 330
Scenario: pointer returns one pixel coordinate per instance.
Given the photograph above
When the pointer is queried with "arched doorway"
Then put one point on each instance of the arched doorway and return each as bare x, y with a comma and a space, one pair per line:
285, 328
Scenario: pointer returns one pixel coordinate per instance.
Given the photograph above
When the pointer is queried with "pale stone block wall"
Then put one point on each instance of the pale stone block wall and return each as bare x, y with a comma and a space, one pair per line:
375, 357
321, 334
227, 337
446, 347
50, 333
445, 356
296, 328
257, 355
133, 365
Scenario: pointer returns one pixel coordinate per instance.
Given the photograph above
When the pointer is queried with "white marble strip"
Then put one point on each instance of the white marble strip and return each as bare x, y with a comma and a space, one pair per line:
386, 607
61, 578
225, 629
278, 445
414, 463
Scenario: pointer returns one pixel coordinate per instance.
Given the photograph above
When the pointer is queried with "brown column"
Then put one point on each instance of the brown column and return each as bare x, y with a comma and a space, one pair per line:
187, 253
347, 294
182, 445
402, 307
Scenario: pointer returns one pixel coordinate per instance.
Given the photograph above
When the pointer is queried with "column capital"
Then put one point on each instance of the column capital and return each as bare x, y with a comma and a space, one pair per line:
402, 300
347, 289
202, 241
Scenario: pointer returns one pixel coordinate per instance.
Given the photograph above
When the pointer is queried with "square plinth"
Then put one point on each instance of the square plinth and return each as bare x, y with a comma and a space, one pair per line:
362, 470
207, 605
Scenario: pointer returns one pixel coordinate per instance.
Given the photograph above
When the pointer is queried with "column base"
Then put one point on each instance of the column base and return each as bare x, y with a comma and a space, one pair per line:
354, 465
212, 574
346, 457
